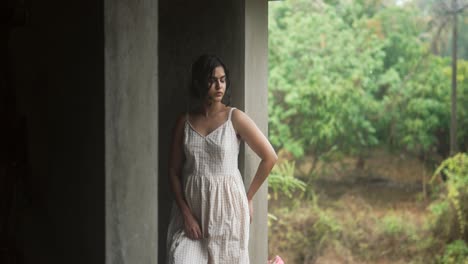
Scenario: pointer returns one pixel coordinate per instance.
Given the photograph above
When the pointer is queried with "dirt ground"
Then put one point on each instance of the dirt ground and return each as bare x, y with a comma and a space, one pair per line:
383, 183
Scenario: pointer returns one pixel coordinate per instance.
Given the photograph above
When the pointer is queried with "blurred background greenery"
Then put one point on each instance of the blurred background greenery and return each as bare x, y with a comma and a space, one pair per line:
360, 114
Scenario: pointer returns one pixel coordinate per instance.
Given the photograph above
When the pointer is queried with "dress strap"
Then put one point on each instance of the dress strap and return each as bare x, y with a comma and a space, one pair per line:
230, 112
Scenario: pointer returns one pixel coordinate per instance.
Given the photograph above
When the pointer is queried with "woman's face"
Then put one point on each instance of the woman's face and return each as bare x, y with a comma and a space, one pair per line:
217, 85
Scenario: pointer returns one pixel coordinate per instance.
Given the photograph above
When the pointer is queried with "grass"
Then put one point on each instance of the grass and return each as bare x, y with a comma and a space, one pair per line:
358, 221
348, 231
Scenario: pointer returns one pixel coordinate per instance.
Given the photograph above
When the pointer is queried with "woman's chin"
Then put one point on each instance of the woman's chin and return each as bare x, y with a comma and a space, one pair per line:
217, 99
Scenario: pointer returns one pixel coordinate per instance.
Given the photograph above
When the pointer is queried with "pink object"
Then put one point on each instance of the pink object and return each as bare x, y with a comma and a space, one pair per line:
276, 260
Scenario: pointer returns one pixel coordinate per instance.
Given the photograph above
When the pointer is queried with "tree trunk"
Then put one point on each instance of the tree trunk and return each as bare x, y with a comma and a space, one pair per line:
453, 120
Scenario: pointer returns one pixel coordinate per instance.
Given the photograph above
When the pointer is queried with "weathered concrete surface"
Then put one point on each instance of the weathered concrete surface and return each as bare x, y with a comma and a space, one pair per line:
256, 106
131, 94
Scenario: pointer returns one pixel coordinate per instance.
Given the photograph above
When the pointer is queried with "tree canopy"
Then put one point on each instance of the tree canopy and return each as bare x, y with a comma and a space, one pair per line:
346, 76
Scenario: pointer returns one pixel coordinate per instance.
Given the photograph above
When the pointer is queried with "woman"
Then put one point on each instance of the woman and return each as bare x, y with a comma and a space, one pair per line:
210, 222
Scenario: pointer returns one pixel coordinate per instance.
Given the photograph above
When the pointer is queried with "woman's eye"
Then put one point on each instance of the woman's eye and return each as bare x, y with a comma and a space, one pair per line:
215, 80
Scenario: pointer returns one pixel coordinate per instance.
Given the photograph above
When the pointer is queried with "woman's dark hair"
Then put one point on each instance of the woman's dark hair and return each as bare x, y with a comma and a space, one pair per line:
202, 70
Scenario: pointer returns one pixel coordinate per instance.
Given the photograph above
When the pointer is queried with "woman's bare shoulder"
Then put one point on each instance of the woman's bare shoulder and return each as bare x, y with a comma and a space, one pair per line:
238, 115
242, 122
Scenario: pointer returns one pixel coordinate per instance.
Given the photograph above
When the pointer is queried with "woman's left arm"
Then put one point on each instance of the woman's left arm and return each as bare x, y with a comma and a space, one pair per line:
251, 134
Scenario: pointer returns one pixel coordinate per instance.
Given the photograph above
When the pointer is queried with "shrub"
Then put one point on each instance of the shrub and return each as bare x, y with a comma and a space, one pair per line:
455, 253
451, 209
282, 180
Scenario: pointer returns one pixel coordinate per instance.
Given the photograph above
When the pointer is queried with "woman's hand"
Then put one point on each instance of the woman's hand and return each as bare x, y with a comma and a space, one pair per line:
251, 210
191, 227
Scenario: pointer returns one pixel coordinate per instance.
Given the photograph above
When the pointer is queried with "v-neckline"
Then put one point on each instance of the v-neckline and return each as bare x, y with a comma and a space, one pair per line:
209, 134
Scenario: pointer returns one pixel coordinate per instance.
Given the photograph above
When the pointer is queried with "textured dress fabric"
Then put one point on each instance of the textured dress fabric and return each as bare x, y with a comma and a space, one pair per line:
214, 191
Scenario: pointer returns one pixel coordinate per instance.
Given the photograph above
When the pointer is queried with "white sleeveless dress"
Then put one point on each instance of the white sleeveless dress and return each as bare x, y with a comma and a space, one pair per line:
215, 193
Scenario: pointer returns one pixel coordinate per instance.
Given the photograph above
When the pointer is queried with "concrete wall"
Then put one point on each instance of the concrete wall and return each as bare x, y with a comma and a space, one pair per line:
131, 96
230, 30
57, 65
85, 78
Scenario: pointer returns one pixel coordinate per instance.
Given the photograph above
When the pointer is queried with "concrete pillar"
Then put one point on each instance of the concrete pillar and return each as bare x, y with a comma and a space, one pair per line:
85, 77
256, 106
131, 131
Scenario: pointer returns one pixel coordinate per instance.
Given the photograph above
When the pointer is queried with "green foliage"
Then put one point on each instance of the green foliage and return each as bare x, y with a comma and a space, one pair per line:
456, 169
421, 108
344, 77
304, 231
455, 253
462, 45
439, 208
462, 101
282, 180
347, 76
321, 69
413, 89
392, 225
326, 226
350, 230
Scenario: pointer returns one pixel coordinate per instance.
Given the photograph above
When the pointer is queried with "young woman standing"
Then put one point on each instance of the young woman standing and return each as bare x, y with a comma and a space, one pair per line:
212, 213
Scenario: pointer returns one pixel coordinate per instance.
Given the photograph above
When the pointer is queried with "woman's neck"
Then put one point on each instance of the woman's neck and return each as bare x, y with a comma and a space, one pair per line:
209, 109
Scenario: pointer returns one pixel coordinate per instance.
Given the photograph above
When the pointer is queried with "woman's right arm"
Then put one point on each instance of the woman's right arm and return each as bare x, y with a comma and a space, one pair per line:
176, 160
